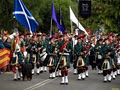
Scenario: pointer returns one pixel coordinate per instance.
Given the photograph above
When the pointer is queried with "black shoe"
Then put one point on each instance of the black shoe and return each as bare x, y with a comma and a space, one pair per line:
15, 79
83, 78
18, 78
66, 83
79, 79
37, 73
87, 76
113, 78
109, 80
62, 83
104, 81
41, 71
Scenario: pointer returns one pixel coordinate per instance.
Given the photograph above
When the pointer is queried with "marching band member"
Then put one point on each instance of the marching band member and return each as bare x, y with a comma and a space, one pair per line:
65, 49
80, 64
52, 53
99, 54
107, 64
43, 55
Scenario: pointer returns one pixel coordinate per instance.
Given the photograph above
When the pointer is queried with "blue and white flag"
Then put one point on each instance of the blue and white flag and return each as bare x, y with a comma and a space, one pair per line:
23, 16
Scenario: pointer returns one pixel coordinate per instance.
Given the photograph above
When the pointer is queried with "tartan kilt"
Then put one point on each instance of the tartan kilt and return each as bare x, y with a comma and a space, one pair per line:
45, 62
37, 57
31, 57
20, 57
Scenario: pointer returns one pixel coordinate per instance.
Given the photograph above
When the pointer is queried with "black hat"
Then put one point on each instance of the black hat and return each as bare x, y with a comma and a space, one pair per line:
21, 34
100, 40
78, 38
61, 36
38, 35
28, 34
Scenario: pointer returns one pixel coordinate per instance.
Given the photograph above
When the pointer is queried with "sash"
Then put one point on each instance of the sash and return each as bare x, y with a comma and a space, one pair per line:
64, 45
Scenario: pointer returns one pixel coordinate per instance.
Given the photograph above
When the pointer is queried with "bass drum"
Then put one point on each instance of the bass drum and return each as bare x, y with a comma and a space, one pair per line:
43, 57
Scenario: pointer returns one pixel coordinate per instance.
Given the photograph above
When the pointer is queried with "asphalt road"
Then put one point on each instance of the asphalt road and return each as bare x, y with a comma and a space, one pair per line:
42, 82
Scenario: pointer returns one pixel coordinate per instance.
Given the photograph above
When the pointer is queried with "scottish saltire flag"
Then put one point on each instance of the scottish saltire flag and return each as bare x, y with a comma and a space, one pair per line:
54, 17
23, 16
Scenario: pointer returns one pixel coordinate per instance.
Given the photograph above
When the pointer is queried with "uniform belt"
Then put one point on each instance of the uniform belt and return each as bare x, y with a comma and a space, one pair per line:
64, 53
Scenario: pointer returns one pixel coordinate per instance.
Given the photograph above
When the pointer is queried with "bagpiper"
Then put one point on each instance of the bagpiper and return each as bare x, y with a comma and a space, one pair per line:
107, 63
99, 55
65, 49
80, 64
52, 51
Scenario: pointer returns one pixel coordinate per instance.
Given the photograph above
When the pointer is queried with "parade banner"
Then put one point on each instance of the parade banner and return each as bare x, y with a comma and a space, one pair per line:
4, 57
23, 16
85, 8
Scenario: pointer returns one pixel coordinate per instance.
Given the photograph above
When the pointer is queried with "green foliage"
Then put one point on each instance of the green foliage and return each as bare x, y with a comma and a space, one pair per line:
105, 12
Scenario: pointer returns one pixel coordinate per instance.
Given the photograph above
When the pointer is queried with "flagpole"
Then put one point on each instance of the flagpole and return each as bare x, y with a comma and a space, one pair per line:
71, 27
51, 28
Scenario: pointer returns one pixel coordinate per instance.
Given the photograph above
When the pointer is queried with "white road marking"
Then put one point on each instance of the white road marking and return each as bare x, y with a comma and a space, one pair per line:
42, 83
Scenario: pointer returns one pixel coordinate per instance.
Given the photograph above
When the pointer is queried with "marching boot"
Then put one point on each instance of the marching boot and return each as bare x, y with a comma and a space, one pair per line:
75, 71
63, 81
66, 80
57, 74
98, 71
53, 75
118, 71
50, 77
105, 78
86, 73
45, 69
18, 74
15, 77
113, 75
37, 71
60, 73
79, 76
32, 71
101, 71
83, 76
41, 69
109, 78
21, 75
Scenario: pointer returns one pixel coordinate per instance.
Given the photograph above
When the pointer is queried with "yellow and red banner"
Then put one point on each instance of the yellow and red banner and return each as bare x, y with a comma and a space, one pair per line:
4, 57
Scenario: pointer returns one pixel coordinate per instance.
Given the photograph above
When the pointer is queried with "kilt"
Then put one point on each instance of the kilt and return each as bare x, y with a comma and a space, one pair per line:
20, 57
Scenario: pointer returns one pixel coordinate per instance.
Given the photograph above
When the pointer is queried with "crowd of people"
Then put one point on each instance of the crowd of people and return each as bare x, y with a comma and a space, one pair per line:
56, 54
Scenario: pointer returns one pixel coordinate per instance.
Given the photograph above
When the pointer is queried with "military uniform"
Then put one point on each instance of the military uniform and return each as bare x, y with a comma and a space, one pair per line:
107, 64
52, 55
44, 57
31, 49
65, 60
99, 56
80, 63
86, 51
